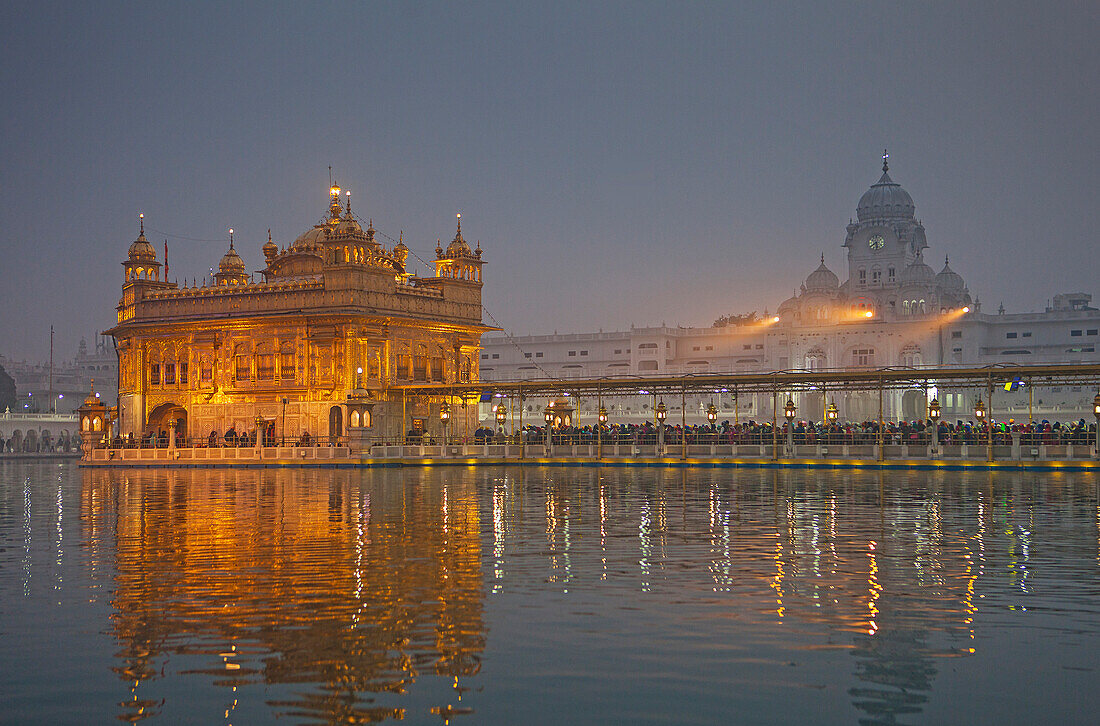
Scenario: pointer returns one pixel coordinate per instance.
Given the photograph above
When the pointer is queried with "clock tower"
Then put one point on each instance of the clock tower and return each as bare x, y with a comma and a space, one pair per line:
884, 239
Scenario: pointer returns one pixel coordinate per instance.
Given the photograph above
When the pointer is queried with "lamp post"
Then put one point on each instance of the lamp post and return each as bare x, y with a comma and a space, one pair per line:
979, 414
285, 402
712, 413
789, 411
502, 415
601, 419
444, 418
1096, 412
661, 414
548, 414
934, 416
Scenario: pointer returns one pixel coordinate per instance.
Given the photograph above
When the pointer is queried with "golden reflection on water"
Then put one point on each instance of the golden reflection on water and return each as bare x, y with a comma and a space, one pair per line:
344, 591
270, 577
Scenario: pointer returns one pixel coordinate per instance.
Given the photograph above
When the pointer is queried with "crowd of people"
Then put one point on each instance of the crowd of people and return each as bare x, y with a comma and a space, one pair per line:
915, 433
153, 439
35, 442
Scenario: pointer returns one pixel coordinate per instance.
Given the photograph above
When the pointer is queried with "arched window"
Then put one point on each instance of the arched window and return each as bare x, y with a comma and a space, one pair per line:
420, 363
863, 357
354, 418
242, 362
911, 356
904, 307
286, 361
265, 362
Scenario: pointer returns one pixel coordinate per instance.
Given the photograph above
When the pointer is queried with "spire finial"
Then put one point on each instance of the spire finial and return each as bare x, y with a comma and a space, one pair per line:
885, 161
348, 195
230, 238
141, 221
823, 258
459, 217
945, 260
268, 234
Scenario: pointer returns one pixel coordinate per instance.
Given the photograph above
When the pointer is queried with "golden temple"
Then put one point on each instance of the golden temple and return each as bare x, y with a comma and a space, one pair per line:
314, 348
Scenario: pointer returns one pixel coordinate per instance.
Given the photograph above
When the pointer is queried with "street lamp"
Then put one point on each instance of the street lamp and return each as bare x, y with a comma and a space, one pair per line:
661, 413
934, 409
444, 418
712, 413
1096, 412
789, 410
934, 414
548, 414
285, 402
602, 416
831, 413
502, 414
979, 410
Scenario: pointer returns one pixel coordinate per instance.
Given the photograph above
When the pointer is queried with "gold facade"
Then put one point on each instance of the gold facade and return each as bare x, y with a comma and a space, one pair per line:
316, 347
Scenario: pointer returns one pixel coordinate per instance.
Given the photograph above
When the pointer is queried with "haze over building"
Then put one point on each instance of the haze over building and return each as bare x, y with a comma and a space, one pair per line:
893, 309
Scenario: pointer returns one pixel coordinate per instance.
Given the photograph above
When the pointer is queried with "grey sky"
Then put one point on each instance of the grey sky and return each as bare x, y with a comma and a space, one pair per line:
620, 163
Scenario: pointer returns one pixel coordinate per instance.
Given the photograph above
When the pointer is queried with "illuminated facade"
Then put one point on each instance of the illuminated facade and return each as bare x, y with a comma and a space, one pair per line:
316, 347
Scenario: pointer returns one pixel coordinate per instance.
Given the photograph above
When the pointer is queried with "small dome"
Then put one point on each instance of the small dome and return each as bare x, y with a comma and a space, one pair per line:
885, 200
787, 306
918, 273
270, 248
948, 279
458, 246
231, 263
822, 279
140, 249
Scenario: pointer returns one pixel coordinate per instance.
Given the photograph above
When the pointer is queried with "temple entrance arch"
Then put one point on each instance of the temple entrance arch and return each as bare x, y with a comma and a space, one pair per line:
161, 418
335, 423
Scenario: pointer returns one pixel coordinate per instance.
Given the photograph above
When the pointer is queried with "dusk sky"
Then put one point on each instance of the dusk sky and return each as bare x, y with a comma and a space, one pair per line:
621, 164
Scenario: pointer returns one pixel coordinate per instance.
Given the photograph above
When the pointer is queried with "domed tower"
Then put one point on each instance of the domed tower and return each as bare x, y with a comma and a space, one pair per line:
458, 262
271, 250
917, 289
951, 288
231, 268
884, 239
141, 263
819, 294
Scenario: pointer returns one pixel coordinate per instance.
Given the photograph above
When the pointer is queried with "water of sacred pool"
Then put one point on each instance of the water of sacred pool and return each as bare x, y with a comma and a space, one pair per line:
558, 595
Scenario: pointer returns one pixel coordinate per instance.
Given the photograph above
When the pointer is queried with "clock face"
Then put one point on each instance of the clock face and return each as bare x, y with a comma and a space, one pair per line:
876, 242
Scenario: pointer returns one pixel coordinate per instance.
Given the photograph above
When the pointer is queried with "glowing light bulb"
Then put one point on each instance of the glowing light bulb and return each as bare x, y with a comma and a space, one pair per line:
966, 309
869, 314
775, 319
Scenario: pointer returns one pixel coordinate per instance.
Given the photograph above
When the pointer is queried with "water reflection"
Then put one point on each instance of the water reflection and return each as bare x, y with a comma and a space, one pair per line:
267, 576
622, 595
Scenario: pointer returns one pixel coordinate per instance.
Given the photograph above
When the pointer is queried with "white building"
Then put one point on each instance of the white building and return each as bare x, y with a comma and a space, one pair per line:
63, 391
893, 310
